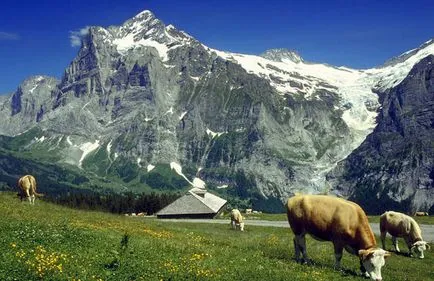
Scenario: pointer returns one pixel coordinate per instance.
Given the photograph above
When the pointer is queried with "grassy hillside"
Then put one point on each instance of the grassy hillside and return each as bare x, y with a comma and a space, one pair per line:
50, 242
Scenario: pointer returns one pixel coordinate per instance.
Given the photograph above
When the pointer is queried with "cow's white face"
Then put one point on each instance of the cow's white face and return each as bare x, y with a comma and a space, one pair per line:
242, 226
372, 261
418, 248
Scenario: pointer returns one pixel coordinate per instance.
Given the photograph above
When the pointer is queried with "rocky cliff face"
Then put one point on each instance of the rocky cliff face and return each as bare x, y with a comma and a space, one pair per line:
144, 97
25, 107
394, 167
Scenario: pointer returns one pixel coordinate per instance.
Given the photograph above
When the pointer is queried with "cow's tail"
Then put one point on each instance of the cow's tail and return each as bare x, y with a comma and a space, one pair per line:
39, 194
33, 186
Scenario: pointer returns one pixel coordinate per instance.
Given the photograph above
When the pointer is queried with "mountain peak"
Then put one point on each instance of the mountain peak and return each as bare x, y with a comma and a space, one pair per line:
404, 56
144, 15
142, 21
281, 55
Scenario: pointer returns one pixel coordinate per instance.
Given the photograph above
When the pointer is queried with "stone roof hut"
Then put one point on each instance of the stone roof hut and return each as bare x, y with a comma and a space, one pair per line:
196, 203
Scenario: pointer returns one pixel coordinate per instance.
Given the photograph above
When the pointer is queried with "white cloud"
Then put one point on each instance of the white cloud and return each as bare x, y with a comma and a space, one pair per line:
76, 36
8, 36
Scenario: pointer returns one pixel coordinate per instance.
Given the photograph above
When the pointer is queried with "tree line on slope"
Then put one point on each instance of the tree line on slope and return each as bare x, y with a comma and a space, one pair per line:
118, 203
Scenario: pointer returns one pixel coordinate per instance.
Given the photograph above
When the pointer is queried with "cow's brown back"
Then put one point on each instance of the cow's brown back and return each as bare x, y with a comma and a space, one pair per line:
330, 218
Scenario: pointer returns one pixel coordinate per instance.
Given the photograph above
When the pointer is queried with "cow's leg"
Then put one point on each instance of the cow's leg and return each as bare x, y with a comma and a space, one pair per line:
338, 255
300, 241
32, 200
383, 239
409, 244
395, 243
28, 197
297, 250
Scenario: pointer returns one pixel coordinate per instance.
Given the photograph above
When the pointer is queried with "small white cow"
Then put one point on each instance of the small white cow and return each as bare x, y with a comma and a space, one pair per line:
342, 222
401, 225
27, 186
237, 220
421, 214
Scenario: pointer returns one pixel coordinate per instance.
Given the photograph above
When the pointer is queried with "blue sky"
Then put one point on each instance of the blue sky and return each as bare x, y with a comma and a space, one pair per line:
35, 35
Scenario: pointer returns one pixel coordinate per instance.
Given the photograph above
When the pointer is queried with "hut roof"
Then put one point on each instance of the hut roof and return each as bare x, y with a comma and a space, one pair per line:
196, 201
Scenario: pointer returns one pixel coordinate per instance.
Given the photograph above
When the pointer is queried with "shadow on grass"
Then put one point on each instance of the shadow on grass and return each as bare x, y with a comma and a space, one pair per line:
312, 263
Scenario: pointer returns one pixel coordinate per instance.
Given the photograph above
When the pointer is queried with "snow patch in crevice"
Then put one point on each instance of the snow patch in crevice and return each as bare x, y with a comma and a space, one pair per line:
197, 182
150, 167
178, 169
87, 148
32, 89
170, 111
182, 115
41, 139
109, 147
68, 140
109, 151
213, 134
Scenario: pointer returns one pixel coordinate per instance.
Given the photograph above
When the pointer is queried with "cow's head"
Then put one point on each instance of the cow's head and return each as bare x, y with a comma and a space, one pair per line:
371, 261
242, 226
418, 248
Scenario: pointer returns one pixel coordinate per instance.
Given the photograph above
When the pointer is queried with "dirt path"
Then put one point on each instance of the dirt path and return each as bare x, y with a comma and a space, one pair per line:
427, 230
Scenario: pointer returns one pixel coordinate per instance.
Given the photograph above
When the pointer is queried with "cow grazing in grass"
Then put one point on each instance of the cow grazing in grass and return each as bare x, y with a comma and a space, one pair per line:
342, 222
401, 225
27, 186
421, 214
237, 220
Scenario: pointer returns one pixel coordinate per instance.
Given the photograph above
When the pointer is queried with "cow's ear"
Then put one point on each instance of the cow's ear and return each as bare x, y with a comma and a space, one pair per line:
387, 254
365, 254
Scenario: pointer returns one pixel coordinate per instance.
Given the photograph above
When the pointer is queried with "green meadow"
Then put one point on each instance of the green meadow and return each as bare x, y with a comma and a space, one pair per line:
51, 242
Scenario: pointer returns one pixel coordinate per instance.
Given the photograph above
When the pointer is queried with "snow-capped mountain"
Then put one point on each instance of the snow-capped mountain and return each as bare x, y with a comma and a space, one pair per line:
144, 95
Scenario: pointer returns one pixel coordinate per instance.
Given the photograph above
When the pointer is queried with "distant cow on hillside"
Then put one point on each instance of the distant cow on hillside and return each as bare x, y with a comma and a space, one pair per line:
27, 187
237, 220
421, 214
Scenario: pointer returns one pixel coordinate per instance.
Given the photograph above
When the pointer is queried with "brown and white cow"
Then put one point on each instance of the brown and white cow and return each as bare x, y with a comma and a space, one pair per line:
27, 186
237, 220
342, 222
400, 225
